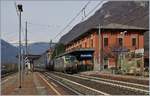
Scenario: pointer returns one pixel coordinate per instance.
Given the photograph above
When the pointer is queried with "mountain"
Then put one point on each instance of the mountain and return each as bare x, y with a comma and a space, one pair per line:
131, 13
8, 53
38, 48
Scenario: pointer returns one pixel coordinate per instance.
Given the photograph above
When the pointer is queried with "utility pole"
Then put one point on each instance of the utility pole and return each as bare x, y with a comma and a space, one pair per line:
50, 44
26, 50
48, 53
20, 49
99, 43
97, 65
56, 49
20, 10
50, 48
26, 40
22, 64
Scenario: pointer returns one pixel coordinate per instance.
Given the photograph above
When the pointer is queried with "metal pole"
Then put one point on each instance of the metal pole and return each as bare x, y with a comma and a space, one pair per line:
25, 44
22, 64
99, 45
56, 49
19, 49
26, 39
50, 44
122, 54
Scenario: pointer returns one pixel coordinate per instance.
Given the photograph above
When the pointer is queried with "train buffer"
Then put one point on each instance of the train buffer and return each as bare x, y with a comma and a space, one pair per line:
32, 84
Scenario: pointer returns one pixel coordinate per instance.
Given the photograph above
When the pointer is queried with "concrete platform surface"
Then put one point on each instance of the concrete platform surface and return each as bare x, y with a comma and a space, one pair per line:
32, 84
126, 78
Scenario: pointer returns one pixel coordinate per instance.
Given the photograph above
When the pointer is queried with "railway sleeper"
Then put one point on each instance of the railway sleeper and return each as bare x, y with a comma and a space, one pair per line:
79, 87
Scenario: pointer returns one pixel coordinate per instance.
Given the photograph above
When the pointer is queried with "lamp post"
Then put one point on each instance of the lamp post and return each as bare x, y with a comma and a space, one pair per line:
123, 33
122, 55
19, 6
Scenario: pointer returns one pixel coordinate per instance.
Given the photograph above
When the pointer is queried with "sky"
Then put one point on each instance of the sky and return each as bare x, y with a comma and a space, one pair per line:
45, 19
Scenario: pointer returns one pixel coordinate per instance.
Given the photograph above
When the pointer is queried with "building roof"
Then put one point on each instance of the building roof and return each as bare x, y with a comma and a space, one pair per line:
82, 49
113, 14
78, 50
31, 56
120, 26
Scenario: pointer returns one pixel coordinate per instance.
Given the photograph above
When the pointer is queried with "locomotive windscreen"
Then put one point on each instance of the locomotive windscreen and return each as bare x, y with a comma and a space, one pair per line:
70, 58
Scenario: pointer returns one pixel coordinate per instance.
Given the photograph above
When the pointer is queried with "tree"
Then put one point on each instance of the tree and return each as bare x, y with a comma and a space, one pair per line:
118, 53
59, 49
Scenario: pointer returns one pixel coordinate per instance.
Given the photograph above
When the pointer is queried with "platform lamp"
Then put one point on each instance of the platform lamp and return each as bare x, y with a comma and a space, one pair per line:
123, 34
20, 9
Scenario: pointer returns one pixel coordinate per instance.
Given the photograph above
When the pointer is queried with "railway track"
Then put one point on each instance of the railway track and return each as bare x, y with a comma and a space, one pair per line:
105, 87
139, 80
78, 88
7, 74
128, 84
71, 90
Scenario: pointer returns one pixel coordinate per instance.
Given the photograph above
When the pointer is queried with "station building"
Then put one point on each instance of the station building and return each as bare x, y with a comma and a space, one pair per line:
120, 41
107, 46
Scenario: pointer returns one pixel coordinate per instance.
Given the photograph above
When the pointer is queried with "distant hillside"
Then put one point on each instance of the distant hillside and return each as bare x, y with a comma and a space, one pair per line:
131, 13
8, 53
38, 48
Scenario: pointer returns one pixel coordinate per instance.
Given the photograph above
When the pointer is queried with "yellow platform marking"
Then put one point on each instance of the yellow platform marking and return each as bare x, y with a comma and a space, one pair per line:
50, 85
7, 79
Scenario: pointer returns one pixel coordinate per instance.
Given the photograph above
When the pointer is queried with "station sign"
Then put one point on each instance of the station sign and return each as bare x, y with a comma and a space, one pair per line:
86, 55
120, 50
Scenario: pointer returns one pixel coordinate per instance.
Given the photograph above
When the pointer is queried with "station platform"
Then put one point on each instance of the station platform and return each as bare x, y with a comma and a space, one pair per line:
126, 78
32, 83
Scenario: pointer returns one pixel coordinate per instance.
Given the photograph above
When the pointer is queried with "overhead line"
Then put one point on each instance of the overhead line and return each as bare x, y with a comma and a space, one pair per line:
95, 7
73, 19
125, 15
38, 24
79, 14
24, 42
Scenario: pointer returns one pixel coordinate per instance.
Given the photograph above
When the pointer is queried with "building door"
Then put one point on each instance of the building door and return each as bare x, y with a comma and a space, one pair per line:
106, 63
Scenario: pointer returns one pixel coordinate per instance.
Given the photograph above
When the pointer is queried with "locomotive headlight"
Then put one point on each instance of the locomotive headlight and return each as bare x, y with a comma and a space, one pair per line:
64, 65
76, 65
76, 62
